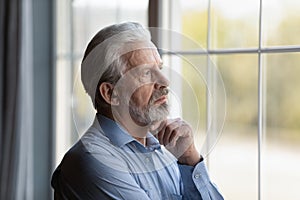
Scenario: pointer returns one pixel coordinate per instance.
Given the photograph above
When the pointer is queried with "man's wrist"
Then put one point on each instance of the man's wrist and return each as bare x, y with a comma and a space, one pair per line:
191, 157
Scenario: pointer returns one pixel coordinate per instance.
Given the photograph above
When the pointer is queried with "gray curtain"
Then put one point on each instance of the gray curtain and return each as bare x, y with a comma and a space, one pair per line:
15, 93
10, 66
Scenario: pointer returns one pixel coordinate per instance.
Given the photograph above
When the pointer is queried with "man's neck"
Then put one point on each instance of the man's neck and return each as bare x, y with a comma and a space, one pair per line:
143, 141
136, 131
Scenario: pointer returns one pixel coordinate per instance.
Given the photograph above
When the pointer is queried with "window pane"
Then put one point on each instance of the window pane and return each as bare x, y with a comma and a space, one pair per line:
83, 112
92, 15
281, 158
187, 82
63, 119
88, 19
77, 22
233, 161
234, 24
194, 22
63, 79
281, 22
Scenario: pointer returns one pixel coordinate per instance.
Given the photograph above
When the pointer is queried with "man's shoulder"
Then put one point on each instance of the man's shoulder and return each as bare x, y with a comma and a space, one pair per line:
90, 150
92, 142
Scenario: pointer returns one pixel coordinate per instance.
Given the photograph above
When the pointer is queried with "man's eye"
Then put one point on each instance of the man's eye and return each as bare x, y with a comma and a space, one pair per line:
147, 73
146, 76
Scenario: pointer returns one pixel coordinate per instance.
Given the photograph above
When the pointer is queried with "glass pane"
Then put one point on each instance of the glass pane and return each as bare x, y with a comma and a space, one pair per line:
186, 76
83, 112
77, 22
89, 16
63, 119
281, 22
63, 28
88, 19
233, 161
234, 24
281, 158
194, 22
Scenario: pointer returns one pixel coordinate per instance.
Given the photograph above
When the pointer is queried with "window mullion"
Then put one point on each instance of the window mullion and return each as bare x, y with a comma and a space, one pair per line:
209, 75
260, 100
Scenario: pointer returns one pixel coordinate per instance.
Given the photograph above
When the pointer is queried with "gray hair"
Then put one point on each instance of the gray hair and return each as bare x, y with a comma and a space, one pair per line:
103, 58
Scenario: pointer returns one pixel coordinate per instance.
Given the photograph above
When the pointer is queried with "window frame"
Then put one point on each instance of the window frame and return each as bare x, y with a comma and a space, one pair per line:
159, 14
164, 10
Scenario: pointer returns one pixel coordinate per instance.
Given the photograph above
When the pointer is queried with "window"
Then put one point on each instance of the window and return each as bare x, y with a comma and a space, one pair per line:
255, 47
249, 48
77, 21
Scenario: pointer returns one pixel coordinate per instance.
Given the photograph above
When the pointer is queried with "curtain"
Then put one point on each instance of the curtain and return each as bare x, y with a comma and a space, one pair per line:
15, 93
10, 67
25, 183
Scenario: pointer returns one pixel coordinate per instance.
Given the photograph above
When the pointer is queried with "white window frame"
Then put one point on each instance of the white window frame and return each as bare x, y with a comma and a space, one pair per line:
166, 18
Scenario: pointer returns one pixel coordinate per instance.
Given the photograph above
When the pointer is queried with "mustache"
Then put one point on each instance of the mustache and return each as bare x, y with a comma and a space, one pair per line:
157, 94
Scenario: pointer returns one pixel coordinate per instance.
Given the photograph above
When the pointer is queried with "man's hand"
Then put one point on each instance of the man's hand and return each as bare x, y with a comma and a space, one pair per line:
177, 136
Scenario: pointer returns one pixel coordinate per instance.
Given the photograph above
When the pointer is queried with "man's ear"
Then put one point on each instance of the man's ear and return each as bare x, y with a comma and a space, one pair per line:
108, 93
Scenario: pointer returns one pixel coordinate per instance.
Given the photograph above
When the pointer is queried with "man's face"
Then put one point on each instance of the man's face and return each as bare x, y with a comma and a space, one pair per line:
148, 101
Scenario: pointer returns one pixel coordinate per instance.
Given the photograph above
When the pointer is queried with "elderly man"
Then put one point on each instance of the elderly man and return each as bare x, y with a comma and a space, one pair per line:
132, 151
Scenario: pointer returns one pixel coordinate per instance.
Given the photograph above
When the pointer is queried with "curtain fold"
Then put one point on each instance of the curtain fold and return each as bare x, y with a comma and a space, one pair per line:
25, 184
13, 136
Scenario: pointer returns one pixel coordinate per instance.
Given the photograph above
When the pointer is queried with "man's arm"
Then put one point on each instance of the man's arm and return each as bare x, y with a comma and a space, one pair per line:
177, 136
197, 184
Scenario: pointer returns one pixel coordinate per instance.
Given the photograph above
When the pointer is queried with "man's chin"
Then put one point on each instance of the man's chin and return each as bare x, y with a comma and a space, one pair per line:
149, 117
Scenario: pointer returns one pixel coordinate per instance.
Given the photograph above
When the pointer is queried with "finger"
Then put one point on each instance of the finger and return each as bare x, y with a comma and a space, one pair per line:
162, 134
170, 128
170, 121
187, 130
176, 134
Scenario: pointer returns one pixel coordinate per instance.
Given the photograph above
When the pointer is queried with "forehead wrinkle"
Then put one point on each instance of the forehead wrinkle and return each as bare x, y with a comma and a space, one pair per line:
143, 56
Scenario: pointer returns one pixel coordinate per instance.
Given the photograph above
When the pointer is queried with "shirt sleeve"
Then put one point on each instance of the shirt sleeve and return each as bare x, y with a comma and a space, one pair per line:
197, 184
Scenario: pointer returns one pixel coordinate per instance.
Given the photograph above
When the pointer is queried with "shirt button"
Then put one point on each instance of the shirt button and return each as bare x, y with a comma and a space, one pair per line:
147, 159
196, 176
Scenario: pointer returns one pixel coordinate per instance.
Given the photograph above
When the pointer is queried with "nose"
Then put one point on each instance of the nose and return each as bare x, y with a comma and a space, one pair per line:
161, 81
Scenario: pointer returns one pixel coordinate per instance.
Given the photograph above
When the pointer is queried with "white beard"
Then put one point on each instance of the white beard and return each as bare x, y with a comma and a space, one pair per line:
150, 114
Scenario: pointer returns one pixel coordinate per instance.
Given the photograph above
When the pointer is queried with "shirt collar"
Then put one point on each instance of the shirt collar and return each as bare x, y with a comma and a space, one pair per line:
120, 137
